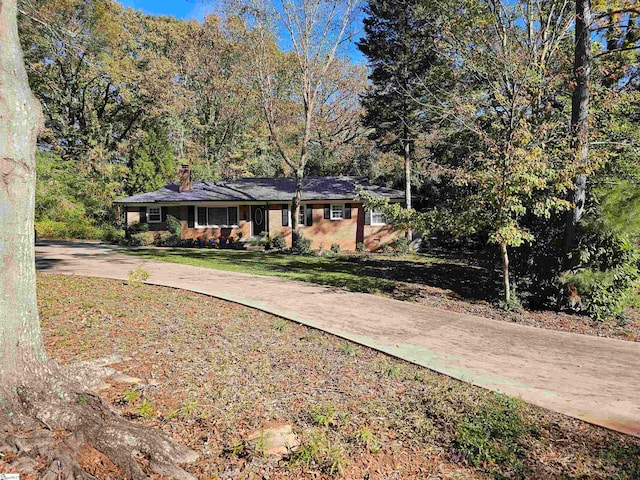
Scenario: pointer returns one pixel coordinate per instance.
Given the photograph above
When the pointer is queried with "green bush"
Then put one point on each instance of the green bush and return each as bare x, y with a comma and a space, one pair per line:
603, 294
137, 228
168, 240
278, 243
86, 231
259, 241
360, 247
606, 276
174, 226
400, 246
53, 230
491, 437
514, 304
79, 197
300, 244
113, 235
49, 229
142, 239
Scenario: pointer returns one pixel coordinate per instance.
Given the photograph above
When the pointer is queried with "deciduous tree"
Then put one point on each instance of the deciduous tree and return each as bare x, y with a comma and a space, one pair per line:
501, 116
314, 30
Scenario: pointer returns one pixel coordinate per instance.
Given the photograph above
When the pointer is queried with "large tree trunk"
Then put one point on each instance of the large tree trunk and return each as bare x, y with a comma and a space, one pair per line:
300, 170
41, 414
21, 347
579, 120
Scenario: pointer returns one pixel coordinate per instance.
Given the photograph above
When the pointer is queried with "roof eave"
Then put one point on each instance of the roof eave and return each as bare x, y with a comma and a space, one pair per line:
124, 201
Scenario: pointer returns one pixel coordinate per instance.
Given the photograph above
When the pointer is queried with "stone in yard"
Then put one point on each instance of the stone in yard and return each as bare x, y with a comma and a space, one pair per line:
124, 378
274, 440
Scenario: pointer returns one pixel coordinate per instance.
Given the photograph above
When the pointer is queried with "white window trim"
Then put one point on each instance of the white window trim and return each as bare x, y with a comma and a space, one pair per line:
341, 217
197, 225
303, 211
159, 209
372, 212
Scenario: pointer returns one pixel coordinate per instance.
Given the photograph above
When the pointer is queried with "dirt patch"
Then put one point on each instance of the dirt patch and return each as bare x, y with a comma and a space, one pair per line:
213, 372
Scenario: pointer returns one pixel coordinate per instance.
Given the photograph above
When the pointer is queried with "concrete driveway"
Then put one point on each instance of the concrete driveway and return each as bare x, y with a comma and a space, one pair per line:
590, 378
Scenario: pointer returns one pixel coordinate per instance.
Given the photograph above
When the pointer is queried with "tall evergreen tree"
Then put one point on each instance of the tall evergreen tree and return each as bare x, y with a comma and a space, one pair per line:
580, 115
398, 43
152, 162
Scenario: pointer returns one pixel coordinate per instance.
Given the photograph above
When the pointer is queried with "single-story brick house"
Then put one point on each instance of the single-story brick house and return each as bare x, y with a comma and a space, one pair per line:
330, 211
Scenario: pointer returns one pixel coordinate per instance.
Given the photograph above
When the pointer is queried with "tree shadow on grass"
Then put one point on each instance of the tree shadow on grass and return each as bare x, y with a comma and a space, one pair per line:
369, 274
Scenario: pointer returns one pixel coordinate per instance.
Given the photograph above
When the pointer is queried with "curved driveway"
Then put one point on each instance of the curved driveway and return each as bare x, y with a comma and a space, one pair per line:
590, 378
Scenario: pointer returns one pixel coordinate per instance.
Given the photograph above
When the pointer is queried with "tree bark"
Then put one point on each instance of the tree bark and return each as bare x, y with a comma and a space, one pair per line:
407, 178
407, 174
579, 120
300, 171
505, 273
295, 209
21, 119
41, 414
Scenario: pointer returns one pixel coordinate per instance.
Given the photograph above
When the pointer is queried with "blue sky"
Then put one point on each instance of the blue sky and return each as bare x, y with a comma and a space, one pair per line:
197, 9
186, 9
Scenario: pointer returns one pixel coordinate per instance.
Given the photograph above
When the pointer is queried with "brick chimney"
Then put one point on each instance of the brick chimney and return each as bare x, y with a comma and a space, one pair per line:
184, 178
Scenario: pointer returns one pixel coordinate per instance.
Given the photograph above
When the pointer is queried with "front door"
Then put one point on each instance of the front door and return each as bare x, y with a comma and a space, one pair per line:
258, 220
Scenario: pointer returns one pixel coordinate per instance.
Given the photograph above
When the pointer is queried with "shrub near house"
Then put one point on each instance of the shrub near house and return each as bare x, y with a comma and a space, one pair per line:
330, 213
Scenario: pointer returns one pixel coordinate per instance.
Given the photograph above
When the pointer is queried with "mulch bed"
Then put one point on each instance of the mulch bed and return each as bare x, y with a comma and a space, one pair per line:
212, 372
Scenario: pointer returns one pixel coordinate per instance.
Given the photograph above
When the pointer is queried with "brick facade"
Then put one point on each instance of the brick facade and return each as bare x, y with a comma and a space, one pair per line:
323, 233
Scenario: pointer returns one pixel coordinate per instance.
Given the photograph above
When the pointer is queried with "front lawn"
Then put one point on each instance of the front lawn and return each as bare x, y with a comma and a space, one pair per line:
213, 372
456, 282
355, 272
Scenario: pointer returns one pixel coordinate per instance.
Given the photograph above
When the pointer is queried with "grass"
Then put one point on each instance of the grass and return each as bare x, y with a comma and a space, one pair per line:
491, 436
354, 272
221, 371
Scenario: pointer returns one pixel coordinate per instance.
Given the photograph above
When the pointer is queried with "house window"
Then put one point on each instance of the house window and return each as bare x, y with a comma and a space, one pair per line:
337, 211
305, 218
216, 216
377, 218
154, 214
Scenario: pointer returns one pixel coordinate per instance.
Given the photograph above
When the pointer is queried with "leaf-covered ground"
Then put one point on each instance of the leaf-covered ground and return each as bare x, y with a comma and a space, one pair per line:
455, 282
212, 372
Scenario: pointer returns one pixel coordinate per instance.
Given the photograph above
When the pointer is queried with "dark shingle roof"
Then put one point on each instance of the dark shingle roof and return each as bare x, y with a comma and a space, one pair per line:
265, 189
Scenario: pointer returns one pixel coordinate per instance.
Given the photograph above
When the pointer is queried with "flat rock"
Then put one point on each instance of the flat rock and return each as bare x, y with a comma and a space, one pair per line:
106, 361
273, 440
124, 378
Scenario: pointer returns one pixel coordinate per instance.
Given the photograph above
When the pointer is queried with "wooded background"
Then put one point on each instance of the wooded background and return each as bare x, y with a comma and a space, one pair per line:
471, 105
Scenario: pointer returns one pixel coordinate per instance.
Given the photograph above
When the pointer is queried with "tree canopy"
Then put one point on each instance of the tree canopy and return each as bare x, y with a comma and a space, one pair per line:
471, 101
129, 96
